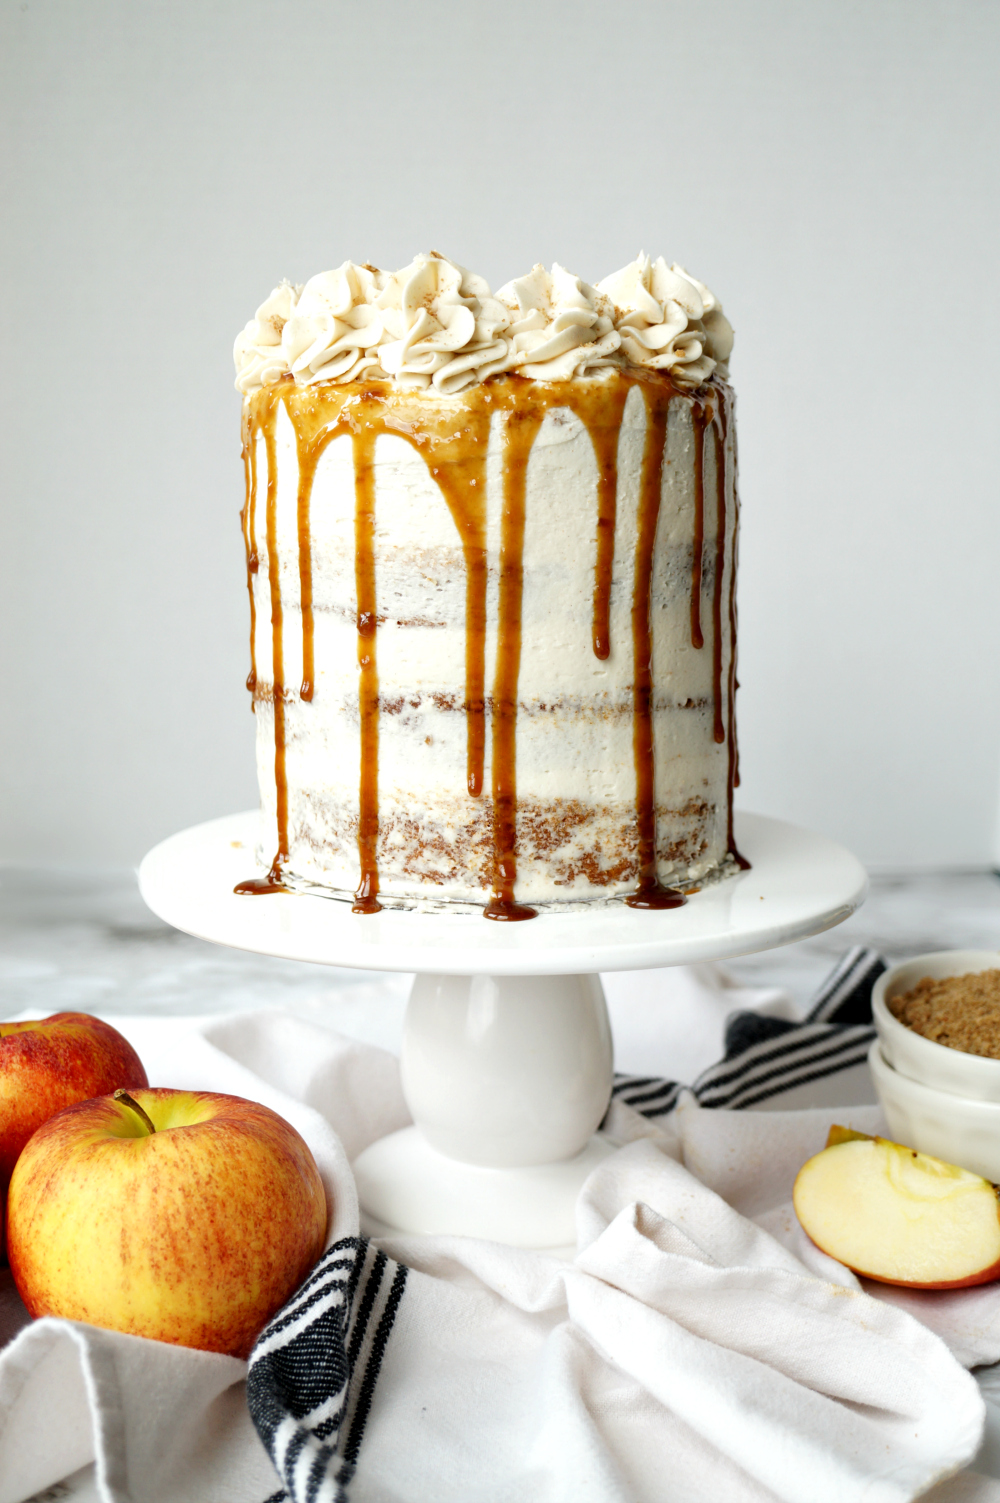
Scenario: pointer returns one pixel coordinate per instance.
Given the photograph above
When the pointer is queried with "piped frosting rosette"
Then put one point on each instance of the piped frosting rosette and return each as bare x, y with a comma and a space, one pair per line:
560, 327
335, 328
326, 330
258, 353
669, 321
436, 326
445, 328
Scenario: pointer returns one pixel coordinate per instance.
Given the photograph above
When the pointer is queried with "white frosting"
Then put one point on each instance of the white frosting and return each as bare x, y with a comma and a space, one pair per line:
335, 328
575, 747
444, 326
436, 326
258, 353
560, 327
669, 321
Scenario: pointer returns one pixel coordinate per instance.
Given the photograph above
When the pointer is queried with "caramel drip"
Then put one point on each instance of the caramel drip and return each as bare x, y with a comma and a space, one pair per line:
308, 457
249, 519
649, 893
455, 452
475, 660
589, 405
698, 539
719, 729
519, 435
733, 773
310, 444
607, 508
272, 882
277, 652
457, 463
461, 477
309, 451
366, 897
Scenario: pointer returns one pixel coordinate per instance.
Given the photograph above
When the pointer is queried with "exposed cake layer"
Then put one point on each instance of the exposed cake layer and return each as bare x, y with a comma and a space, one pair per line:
494, 635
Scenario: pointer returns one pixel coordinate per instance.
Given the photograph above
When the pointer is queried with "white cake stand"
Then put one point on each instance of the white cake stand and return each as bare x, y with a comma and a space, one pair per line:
507, 1056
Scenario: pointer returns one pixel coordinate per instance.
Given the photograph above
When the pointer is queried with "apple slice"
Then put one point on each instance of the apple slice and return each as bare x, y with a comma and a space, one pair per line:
899, 1216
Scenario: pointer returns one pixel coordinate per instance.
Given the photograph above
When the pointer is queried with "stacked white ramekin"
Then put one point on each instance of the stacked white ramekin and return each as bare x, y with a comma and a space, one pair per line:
939, 1100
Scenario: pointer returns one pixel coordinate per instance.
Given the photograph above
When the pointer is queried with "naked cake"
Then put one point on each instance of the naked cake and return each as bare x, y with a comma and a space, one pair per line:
491, 557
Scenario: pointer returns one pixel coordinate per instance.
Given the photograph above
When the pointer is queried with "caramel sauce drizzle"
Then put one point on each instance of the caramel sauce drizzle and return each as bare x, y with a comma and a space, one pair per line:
272, 882
590, 406
366, 897
698, 538
519, 436
733, 772
308, 458
455, 454
248, 518
457, 463
718, 428
649, 893
277, 649
718, 419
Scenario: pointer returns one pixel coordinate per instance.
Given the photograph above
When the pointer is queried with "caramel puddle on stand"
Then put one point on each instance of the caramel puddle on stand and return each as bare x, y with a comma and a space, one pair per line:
454, 449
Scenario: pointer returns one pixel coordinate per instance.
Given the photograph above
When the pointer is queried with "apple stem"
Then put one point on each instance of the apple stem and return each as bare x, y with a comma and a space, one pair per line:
129, 1101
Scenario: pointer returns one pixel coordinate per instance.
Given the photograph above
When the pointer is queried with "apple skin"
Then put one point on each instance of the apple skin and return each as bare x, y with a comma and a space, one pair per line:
195, 1234
897, 1216
52, 1063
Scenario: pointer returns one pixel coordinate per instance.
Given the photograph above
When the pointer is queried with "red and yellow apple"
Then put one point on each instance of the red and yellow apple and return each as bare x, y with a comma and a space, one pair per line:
51, 1063
898, 1216
183, 1216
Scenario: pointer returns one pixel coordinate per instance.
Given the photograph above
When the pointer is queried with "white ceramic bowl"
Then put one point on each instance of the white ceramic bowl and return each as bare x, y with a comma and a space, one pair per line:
954, 1128
921, 1059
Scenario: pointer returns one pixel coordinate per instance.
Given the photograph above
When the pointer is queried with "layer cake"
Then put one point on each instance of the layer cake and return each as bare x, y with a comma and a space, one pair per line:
491, 550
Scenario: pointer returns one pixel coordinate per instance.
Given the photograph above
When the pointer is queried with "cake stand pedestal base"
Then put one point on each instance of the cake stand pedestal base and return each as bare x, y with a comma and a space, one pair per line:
507, 1078
405, 1185
506, 1060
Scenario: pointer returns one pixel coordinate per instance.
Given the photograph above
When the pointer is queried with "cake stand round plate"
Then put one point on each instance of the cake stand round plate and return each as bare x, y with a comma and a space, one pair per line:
799, 884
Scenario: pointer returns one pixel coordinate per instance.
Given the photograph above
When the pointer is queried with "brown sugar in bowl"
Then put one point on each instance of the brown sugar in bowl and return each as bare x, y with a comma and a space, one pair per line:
962, 1012
933, 1042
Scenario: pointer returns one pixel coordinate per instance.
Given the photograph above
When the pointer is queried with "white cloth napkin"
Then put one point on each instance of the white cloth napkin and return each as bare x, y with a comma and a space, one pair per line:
698, 1347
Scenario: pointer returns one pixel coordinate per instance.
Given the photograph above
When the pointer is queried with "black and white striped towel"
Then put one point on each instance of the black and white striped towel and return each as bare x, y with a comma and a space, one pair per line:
314, 1370
766, 1057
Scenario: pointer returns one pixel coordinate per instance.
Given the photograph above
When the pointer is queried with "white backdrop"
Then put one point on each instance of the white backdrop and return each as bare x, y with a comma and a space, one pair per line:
829, 168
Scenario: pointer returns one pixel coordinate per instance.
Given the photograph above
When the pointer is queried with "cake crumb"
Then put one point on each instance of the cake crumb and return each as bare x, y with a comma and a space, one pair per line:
961, 1012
